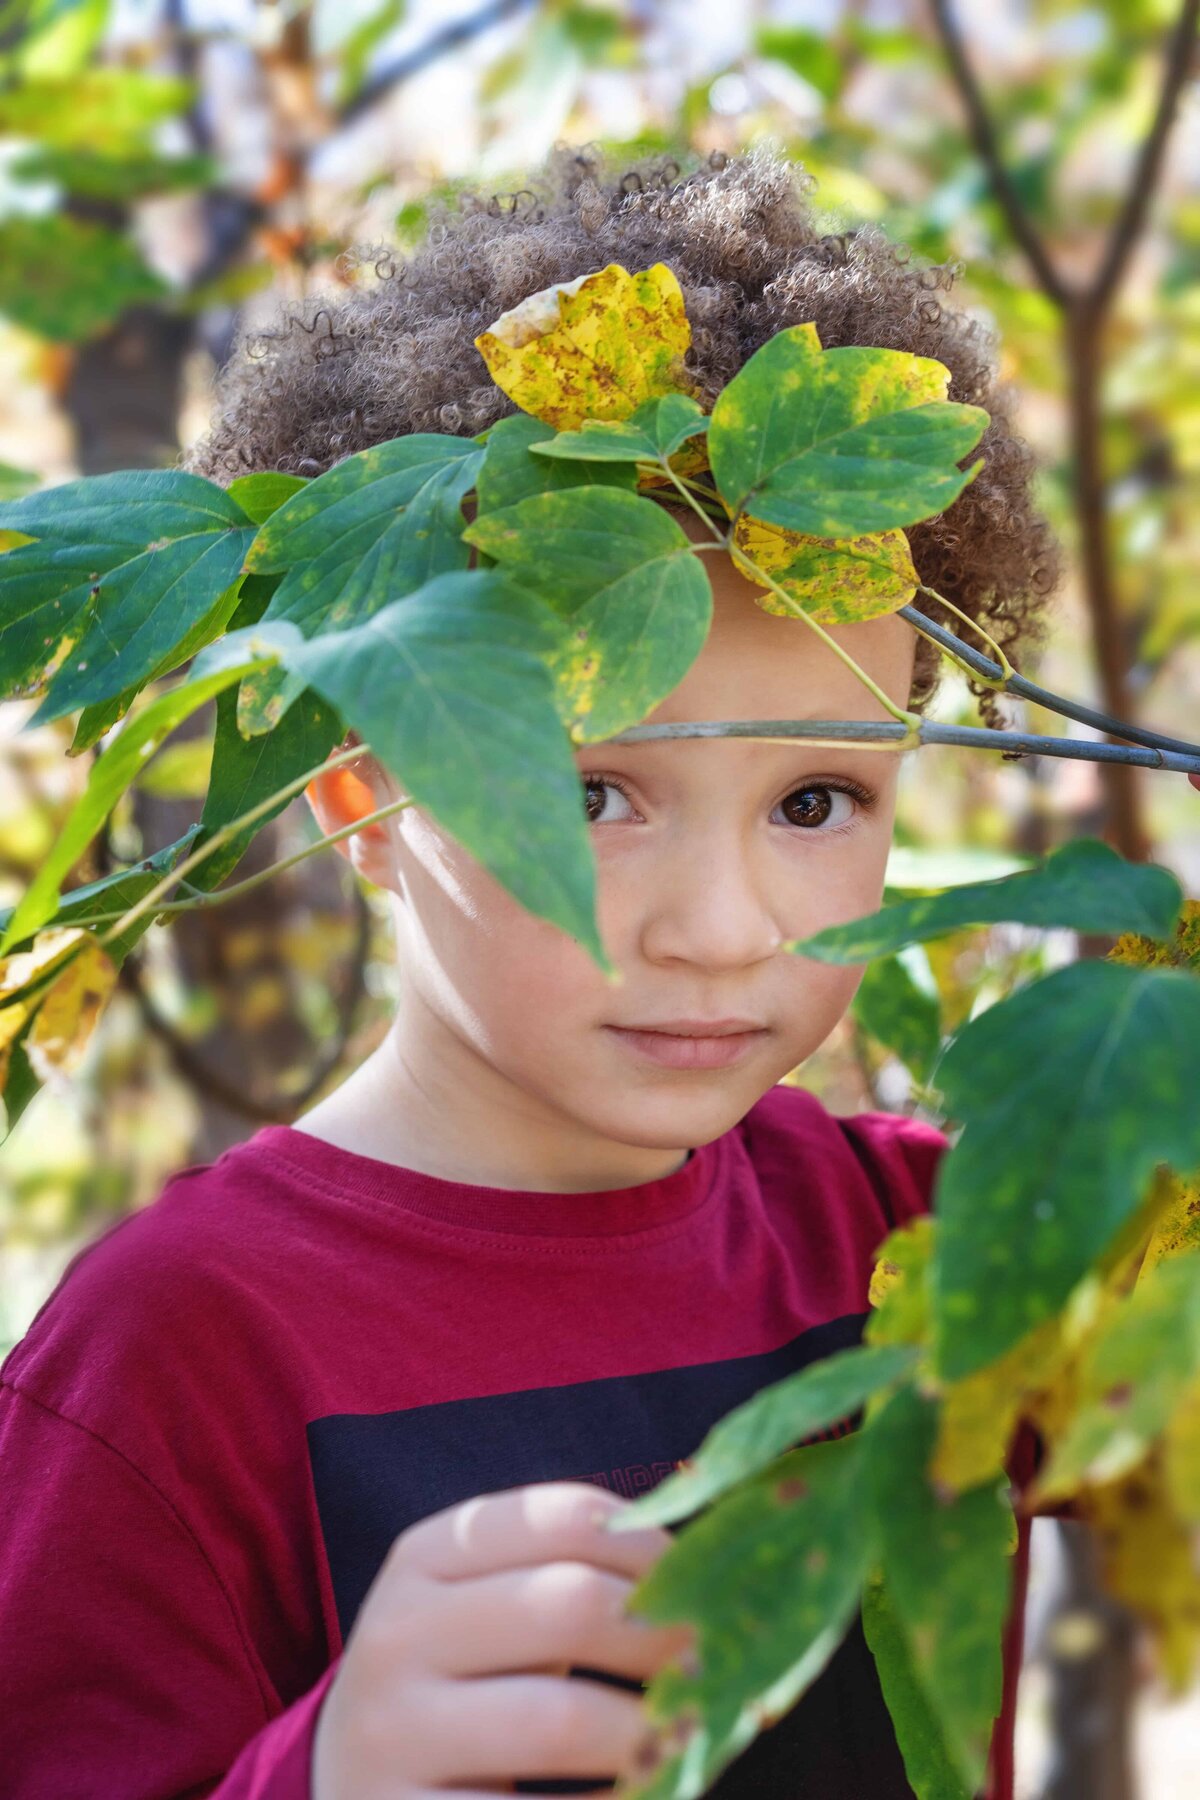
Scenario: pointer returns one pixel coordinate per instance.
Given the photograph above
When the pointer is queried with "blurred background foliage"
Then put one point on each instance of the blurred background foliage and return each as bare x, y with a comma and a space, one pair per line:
167, 163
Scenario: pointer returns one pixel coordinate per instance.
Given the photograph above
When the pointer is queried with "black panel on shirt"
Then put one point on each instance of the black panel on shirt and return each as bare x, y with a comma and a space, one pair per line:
375, 1474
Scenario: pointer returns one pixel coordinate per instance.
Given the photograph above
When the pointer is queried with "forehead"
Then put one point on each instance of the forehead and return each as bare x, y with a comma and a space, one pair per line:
759, 665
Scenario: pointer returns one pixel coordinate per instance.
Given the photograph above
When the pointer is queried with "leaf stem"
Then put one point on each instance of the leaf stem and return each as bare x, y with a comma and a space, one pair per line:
218, 896
721, 538
222, 836
909, 719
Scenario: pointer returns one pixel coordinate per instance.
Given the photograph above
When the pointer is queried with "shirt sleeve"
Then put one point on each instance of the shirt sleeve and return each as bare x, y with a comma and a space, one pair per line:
900, 1157
123, 1668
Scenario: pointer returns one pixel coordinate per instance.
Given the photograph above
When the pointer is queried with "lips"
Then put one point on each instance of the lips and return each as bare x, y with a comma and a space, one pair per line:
706, 1028
710, 1049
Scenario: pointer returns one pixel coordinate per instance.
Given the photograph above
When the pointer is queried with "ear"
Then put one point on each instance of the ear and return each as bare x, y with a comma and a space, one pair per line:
340, 796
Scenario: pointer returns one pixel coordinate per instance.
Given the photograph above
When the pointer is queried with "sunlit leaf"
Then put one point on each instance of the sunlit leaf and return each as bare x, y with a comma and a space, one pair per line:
263, 493
835, 581
835, 443
595, 347
69, 1011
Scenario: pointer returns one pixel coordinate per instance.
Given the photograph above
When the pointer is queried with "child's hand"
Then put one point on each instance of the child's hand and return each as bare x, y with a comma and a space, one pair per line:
455, 1672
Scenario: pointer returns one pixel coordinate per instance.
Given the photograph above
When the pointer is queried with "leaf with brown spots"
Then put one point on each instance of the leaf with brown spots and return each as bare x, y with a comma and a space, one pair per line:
593, 348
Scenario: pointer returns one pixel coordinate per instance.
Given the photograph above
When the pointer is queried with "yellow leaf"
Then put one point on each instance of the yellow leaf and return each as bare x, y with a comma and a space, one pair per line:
1177, 1227
1149, 1560
979, 1413
899, 1289
1182, 951
592, 348
836, 581
70, 1009
22, 967
1181, 1456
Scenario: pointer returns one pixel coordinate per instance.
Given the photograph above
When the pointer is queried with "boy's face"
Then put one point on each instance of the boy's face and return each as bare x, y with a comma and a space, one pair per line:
506, 1066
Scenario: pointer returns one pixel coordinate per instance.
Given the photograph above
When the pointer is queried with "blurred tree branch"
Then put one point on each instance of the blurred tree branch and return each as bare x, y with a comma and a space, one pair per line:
1084, 312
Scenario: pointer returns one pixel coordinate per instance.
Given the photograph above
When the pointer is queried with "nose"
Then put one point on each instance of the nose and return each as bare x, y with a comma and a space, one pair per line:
712, 906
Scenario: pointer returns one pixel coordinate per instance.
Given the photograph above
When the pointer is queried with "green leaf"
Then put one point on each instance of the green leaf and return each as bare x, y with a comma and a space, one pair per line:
510, 473
390, 551
771, 1576
261, 494
1072, 1091
835, 443
808, 53
62, 35
131, 506
946, 1575
92, 533
142, 612
920, 1734
246, 772
66, 279
772, 1421
657, 429
449, 688
110, 775
14, 482
902, 1012
622, 572
912, 866
900, 1285
95, 720
1083, 886
366, 488
120, 178
387, 554
116, 892
1134, 1371
106, 110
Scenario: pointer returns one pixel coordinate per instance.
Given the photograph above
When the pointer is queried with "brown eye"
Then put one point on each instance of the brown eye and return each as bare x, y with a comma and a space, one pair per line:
592, 812
808, 806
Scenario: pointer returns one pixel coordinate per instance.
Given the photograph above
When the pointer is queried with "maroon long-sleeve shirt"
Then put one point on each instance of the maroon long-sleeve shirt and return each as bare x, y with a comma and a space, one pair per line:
238, 1396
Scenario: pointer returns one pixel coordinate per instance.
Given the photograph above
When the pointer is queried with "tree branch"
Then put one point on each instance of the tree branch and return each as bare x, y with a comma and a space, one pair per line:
988, 150
446, 37
1132, 216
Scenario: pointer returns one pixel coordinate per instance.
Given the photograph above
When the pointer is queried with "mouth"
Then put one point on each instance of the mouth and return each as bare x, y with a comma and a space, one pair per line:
714, 1046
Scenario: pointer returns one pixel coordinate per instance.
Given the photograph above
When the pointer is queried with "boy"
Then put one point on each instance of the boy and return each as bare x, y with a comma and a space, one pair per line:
304, 1463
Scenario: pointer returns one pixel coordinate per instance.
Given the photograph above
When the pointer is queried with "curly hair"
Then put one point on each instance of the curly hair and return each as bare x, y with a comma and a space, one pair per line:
350, 369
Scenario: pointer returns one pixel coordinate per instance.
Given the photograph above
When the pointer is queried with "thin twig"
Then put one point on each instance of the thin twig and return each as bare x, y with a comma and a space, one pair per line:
988, 151
446, 37
888, 735
1143, 181
1029, 690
